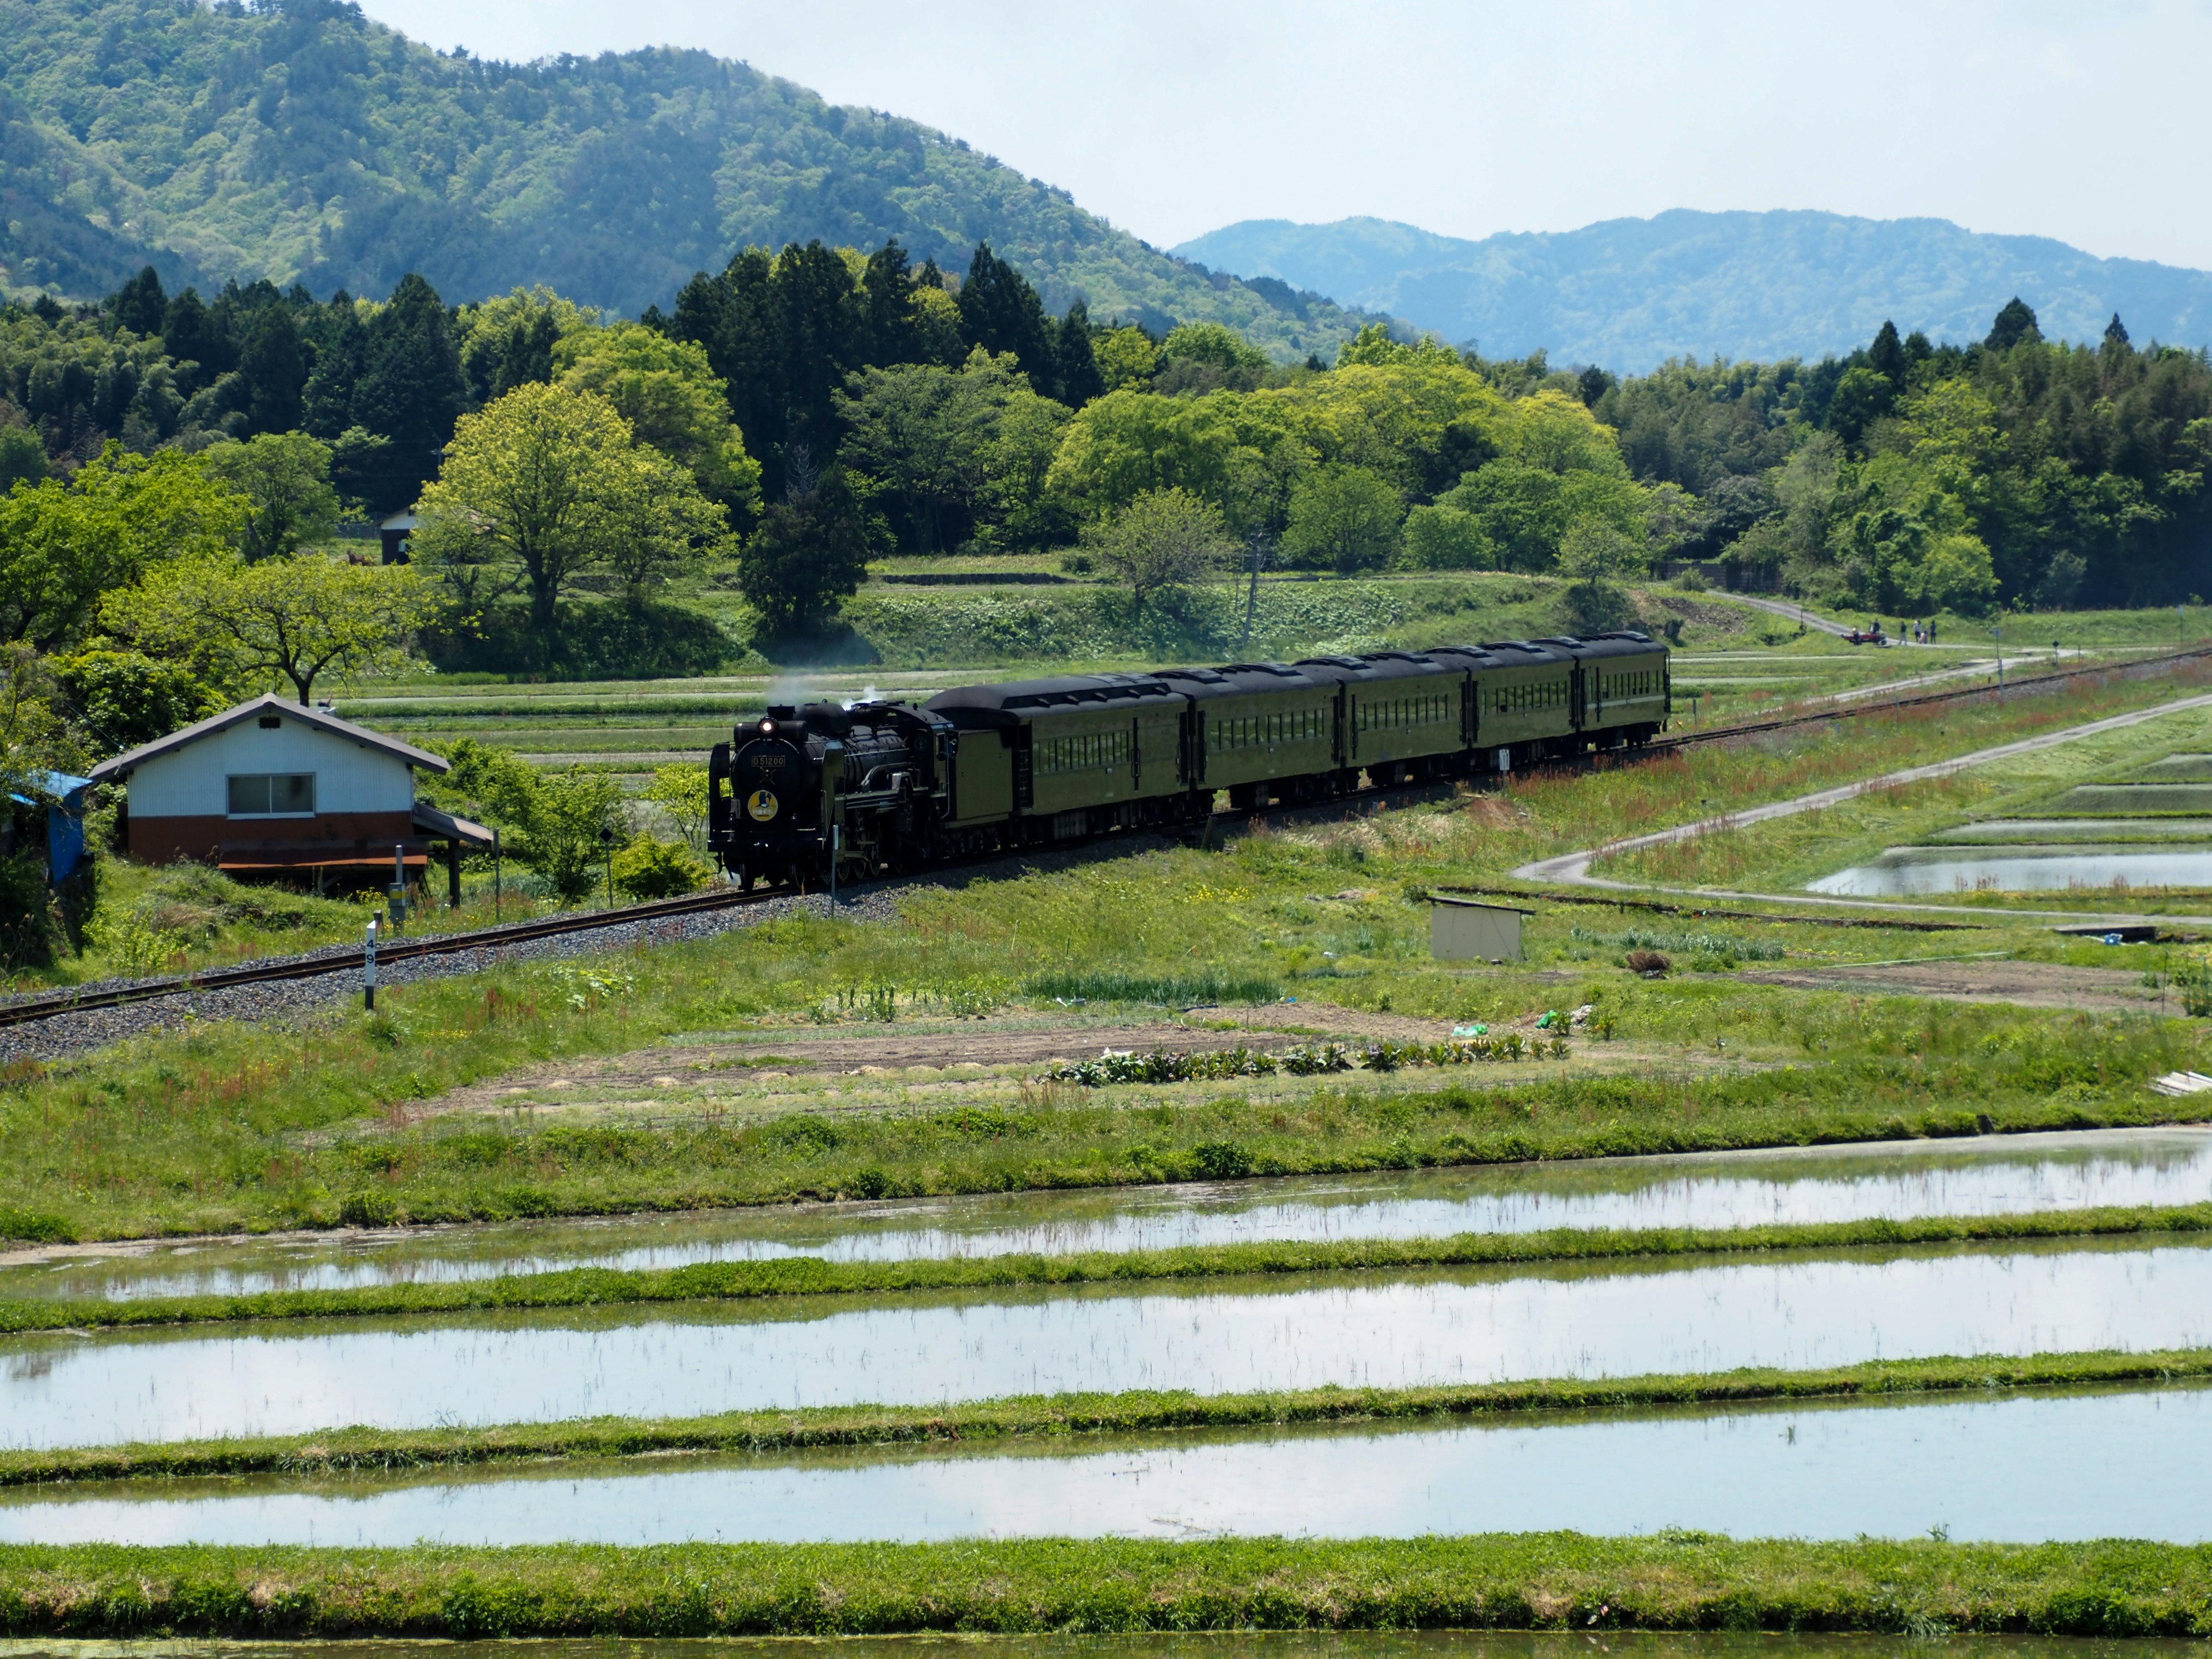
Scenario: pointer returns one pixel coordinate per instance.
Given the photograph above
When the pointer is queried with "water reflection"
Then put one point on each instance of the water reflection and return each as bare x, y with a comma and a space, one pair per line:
1557, 1321
2018, 870
1897, 1179
2106, 1466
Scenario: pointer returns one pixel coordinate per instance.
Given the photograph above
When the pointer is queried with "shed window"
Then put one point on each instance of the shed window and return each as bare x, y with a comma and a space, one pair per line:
272, 794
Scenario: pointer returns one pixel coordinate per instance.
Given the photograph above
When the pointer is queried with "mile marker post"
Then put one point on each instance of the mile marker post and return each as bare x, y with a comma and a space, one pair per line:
368, 968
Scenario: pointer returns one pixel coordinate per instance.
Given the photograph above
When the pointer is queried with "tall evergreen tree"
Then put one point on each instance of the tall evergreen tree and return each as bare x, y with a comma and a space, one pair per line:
2116, 334
887, 307
139, 304
340, 345
189, 336
1000, 311
1076, 378
411, 389
276, 370
2015, 324
821, 328
1886, 356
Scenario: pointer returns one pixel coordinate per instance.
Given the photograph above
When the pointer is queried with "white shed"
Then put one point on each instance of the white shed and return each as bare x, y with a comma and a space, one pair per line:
1468, 930
275, 787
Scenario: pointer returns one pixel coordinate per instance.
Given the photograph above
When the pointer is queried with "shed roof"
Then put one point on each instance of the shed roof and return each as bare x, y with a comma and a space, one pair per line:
320, 719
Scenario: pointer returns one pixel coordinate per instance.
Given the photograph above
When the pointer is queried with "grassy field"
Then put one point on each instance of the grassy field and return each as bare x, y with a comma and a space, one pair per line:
325, 1120
1673, 1581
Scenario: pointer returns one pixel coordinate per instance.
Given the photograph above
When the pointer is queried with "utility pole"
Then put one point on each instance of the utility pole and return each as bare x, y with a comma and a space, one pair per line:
1252, 589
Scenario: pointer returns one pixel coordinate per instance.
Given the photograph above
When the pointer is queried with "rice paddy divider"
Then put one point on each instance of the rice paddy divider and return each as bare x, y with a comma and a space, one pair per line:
1566, 1582
365, 1450
797, 1276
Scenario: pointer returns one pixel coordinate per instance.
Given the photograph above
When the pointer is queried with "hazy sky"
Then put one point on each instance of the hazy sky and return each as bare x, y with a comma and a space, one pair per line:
2082, 121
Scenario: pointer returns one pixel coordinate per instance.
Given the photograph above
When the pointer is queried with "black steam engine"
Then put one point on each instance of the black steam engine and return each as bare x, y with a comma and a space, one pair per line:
799, 786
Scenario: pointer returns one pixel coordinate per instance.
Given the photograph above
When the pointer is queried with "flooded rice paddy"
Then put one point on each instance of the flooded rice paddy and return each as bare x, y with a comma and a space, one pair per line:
1990, 1176
2106, 1465
1563, 1320
2018, 870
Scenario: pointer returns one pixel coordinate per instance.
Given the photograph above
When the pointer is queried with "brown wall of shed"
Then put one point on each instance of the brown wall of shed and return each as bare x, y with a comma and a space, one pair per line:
205, 839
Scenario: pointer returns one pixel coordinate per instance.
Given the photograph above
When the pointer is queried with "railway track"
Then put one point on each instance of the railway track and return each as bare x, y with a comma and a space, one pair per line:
28, 1010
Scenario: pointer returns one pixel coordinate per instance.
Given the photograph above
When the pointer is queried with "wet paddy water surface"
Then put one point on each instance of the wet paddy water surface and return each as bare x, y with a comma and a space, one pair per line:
1901, 1180
2106, 1465
1563, 1320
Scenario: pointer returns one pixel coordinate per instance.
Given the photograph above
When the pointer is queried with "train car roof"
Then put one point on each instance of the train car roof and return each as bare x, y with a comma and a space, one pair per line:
1481, 656
1013, 699
1527, 653
1233, 678
1622, 642
1376, 665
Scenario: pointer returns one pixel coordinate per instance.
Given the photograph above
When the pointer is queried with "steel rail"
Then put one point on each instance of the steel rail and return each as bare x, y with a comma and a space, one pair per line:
28, 1010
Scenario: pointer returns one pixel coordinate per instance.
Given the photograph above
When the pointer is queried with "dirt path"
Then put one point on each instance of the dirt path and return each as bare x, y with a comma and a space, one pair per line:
1574, 868
2023, 984
970, 1046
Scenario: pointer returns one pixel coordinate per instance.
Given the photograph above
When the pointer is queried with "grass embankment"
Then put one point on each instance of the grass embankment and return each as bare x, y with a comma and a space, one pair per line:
363, 1450
216, 1134
1675, 1581
222, 1127
721, 1281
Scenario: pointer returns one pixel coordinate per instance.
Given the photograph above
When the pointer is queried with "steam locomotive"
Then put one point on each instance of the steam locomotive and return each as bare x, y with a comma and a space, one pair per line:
875, 787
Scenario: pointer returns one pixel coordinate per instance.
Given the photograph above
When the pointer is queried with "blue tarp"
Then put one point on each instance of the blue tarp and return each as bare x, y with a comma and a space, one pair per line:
64, 823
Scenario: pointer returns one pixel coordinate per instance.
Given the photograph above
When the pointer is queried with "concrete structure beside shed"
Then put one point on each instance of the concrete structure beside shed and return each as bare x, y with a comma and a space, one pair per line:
277, 789
1467, 930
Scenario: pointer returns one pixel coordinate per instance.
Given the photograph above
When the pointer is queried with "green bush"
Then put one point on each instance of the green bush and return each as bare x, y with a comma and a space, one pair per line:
647, 869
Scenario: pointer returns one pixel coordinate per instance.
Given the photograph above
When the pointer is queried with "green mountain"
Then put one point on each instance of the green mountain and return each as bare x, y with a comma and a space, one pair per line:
1629, 294
296, 140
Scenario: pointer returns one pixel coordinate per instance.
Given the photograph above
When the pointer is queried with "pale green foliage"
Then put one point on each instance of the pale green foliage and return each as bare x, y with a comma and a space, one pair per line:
294, 617
561, 824
1163, 540
547, 482
680, 791
1438, 537
1374, 348
649, 869
1555, 432
1127, 358
1344, 518
284, 478
64, 545
673, 400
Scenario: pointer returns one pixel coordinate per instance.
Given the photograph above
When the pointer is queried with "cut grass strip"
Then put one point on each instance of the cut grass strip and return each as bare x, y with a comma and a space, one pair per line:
1676, 1581
354, 1451
714, 1281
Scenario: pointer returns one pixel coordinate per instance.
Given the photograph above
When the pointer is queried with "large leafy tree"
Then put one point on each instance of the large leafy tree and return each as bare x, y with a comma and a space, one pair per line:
1163, 540
672, 399
284, 480
1345, 519
957, 451
291, 618
809, 553
548, 484
65, 545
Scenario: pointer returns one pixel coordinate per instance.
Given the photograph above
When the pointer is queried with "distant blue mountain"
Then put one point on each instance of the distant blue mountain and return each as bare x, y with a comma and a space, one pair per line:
1631, 293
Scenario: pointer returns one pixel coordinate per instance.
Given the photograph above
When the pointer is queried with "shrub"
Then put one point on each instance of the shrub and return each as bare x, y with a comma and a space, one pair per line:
648, 869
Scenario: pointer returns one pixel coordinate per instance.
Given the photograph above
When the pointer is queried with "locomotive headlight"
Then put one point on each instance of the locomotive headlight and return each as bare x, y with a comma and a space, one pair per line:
767, 729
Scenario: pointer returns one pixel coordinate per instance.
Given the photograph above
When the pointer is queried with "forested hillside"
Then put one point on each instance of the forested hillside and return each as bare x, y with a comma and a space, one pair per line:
1629, 294
294, 140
